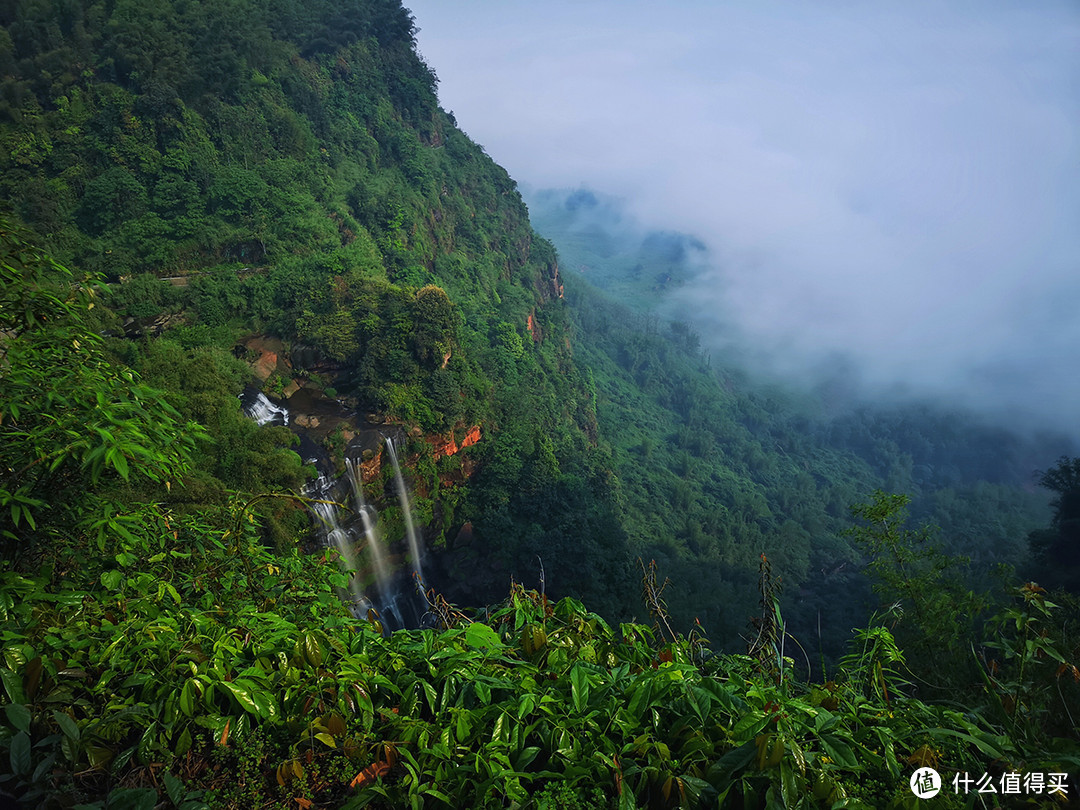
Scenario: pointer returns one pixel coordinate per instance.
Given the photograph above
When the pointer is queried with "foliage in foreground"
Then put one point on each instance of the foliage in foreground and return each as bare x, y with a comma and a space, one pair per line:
194, 667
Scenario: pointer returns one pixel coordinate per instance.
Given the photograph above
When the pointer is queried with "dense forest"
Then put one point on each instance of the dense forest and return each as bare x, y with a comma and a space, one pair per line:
652, 580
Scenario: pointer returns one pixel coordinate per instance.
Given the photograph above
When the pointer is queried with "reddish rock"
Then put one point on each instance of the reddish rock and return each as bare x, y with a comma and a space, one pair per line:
447, 446
270, 357
472, 437
370, 467
534, 329
265, 365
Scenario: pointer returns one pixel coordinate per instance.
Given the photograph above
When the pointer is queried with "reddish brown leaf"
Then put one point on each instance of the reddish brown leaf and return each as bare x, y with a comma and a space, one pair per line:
370, 774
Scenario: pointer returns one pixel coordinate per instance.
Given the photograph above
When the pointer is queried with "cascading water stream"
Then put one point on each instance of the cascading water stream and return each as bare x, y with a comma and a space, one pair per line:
263, 411
371, 534
327, 513
397, 596
414, 545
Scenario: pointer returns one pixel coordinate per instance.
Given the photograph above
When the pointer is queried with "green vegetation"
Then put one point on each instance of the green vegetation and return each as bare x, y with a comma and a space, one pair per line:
222, 172
196, 667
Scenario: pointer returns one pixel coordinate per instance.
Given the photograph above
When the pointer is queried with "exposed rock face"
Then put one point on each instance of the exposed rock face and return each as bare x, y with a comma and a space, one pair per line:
534, 328
265, 365
371, 465
270, 358
556, 282
472, 437
448, 446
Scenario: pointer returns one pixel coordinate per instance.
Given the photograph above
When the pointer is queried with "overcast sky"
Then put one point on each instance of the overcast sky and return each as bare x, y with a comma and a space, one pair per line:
894, 181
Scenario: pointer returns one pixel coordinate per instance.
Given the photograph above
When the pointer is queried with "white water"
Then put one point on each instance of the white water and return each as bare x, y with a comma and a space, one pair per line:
371, 532
327, 513
414, 545
263, 411
398, 604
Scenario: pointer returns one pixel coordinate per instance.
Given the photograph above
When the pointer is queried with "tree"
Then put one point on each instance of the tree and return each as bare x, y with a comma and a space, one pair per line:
1058, 547
112, 198
70, 420
913, 572
435, 325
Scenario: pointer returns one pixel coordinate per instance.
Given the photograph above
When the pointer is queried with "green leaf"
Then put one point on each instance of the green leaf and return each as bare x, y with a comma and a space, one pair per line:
263, 700
132, 799
640, 699
67, 725
430, 791
526, 705
112, 579
722, 771
749, 726
483, 692
312, 649
839, 752
988, 747
429, 692
183, 745
20, 754
43, 767
19, 716
579, 687
699, 701
326, 739
789, 788
463, 726
174, 787
480, 635
243, 696
188, 694
526, 757
12, 685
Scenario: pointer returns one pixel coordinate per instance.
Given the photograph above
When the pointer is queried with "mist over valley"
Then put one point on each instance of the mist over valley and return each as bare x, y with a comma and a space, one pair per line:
890, 189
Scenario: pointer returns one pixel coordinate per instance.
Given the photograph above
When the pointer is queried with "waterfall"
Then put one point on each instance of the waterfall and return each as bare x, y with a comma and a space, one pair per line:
371, 533
328, 514
414, 545
396, 597
263, 411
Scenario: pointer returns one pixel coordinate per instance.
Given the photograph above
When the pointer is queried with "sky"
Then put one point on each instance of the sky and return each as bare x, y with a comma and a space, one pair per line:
896, 184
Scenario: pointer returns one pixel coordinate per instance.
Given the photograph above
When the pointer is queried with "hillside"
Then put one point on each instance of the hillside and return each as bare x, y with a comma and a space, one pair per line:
212, 202
718, 464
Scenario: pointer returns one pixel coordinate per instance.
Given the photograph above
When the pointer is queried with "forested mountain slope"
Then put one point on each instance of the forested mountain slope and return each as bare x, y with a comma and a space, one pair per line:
719, 464
288, 165
207, 197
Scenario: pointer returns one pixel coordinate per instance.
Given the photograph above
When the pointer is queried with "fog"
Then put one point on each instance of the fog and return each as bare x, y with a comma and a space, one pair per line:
891, 186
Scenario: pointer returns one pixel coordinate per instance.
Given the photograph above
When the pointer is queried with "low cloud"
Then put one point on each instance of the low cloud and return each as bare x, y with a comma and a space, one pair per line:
892, 184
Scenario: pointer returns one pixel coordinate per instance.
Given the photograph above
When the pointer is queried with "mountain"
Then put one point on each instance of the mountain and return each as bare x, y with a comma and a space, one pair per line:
209, 203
